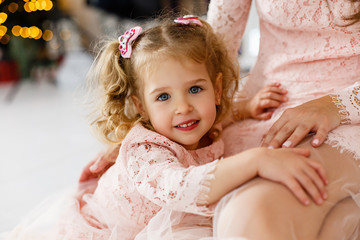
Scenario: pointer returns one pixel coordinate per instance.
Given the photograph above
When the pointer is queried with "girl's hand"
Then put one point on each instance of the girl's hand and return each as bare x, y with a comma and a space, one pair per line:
97, 167
262, 104
319, 116
293, 168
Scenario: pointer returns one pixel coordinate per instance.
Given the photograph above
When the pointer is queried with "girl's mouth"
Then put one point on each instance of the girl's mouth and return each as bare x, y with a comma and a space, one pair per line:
187, 126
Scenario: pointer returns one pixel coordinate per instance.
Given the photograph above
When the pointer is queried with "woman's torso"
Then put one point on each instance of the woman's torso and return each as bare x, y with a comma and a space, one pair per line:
306, 46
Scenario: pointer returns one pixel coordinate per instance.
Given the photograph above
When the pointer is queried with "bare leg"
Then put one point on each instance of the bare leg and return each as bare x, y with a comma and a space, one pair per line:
342, 222
266, 210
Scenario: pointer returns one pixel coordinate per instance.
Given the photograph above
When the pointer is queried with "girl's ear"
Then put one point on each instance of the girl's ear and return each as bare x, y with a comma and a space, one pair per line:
218, 89
139, 106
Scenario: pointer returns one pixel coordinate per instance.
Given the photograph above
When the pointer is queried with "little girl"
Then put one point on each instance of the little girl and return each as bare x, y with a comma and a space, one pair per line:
165, 93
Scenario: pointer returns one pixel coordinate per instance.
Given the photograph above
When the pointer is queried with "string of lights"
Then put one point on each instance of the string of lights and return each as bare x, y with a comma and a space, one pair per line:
23, 7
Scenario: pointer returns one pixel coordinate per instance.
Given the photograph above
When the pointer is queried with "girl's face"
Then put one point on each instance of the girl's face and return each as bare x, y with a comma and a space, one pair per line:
180, 100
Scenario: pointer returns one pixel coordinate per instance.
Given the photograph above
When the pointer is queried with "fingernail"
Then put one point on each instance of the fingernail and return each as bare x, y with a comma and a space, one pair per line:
93, 167
307, 202
316, 141
325, 196
287, 144
271, 147
319, 201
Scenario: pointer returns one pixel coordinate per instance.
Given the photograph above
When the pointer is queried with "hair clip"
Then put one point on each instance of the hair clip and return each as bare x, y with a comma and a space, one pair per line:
126, 41
187, 19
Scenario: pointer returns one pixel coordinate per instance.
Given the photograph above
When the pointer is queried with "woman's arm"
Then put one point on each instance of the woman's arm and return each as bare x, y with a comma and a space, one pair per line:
228, 19
319, 116
98, 166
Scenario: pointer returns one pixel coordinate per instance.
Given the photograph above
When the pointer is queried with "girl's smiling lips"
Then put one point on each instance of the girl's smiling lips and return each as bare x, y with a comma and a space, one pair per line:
187, 125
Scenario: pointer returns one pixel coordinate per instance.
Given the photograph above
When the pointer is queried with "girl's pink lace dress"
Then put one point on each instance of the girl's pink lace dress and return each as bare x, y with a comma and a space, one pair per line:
154, 182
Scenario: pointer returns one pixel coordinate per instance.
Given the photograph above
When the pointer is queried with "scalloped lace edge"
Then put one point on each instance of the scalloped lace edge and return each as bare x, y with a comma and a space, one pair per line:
344, 114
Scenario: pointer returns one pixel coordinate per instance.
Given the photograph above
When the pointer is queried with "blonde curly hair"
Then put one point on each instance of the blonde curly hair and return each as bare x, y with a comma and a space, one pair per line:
117, 78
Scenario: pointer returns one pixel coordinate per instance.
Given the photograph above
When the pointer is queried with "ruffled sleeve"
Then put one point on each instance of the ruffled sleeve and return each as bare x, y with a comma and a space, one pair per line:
228, 18
348, 103
158, 175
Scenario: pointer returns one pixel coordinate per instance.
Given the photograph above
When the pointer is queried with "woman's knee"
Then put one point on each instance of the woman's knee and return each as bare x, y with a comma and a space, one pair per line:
266, 210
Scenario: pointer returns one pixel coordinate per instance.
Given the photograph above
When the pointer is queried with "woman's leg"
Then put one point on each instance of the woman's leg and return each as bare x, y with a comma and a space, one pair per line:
342, 222
263, 209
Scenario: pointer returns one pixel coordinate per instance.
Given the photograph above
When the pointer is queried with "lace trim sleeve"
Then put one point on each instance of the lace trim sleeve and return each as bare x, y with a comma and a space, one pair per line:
159, 176
348, 103
228, 18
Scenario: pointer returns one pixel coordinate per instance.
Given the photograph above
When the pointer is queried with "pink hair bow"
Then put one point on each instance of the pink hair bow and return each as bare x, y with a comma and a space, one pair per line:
126, 41
188, 19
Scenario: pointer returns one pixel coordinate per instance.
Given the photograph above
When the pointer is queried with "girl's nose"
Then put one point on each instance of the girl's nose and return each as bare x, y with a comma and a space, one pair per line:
183, 107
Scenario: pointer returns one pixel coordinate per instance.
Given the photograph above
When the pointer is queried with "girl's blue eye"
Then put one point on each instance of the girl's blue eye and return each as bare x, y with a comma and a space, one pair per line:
163, 97
195, 89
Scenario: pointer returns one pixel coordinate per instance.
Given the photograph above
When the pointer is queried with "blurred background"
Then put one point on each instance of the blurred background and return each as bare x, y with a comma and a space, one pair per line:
46, 49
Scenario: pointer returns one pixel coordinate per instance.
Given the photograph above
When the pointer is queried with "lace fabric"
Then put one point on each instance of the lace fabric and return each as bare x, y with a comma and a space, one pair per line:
228, 18
348, 103
304, 46
152, 173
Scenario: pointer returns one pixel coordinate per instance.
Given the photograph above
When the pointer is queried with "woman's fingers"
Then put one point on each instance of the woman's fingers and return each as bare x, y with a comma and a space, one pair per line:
277, 134
320, 136
319, 116
301, 130
86, 174
95, 168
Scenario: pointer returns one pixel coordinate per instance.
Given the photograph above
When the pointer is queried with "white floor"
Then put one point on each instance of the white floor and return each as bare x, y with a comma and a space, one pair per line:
44, 140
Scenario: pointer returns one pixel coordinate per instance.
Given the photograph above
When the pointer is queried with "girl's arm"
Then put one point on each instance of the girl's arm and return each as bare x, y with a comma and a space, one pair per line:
260, 107
158, 174
320, 116
290, 167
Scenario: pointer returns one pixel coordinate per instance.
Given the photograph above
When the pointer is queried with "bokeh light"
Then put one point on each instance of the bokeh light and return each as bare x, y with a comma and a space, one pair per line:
3, 30
39, 35
16, 30
3, 17
13, 7
25, 32
26, 7
5, 39
38, 5
49, 5
34, 31
48, 35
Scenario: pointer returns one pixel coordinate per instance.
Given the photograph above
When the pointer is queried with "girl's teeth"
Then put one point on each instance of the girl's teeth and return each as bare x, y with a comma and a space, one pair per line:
187, 125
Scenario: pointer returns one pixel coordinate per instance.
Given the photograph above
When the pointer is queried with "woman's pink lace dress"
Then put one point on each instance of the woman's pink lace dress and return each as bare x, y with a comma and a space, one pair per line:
304, 47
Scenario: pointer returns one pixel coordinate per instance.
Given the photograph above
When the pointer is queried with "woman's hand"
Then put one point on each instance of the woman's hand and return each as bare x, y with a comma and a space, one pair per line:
319, 116
293, 168
98, 166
